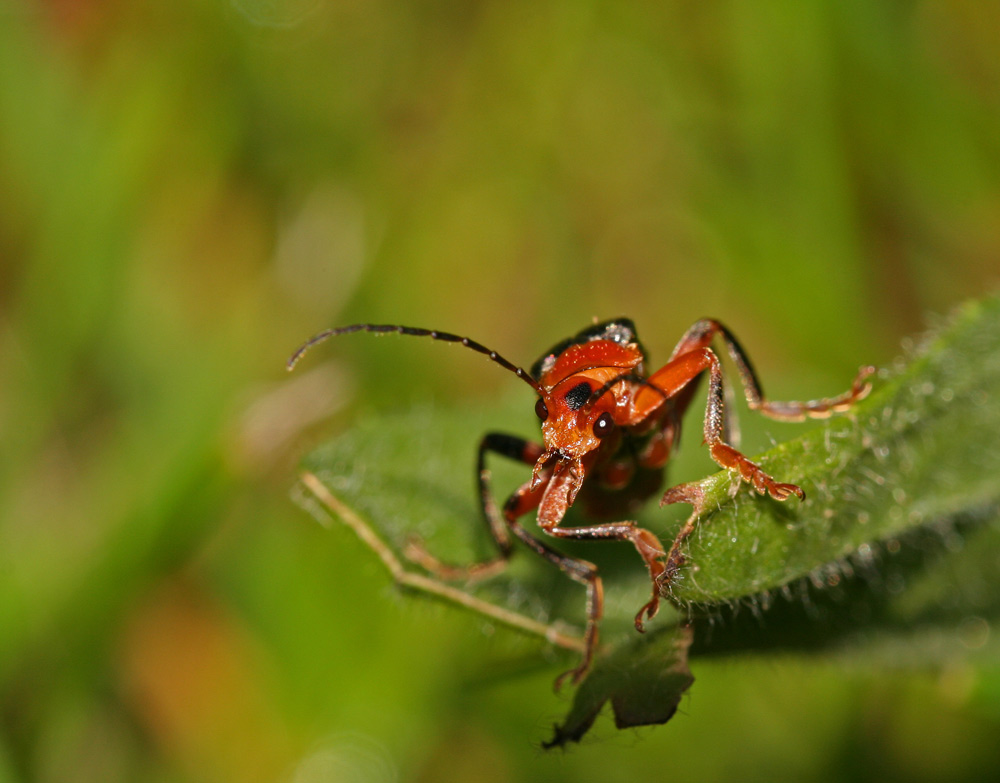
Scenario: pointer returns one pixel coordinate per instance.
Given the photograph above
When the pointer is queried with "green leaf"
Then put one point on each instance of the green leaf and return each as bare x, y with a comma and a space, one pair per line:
890, 486
921, 449
644, 678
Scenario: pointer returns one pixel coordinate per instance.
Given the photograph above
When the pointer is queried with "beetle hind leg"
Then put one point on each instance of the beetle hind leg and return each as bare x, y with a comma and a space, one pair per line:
703, 333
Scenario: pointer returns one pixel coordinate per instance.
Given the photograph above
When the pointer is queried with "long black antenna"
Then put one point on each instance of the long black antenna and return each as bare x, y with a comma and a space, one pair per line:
416, 332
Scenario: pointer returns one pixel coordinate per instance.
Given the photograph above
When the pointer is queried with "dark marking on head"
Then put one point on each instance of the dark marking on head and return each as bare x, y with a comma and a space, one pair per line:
577, 396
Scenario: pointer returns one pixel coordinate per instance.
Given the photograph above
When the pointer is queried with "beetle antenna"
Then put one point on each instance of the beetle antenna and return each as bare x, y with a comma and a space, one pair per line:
413, 331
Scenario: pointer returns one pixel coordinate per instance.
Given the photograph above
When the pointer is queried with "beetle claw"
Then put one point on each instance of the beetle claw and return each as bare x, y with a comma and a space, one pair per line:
784, 491
575, 675
649, 610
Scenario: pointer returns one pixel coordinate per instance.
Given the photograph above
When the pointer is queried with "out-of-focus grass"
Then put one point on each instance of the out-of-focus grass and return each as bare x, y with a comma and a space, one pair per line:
187, 189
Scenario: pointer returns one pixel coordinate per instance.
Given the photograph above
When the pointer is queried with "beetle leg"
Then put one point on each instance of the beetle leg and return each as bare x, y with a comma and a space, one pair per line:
504, 522
672, 380
669, 381
512, 447
682, 493
552, 508
524, 500
701, 335
646, 543
581, 571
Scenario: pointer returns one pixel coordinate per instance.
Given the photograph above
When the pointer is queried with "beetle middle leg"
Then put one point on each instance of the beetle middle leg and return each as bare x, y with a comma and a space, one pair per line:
504, 522
646, 543
512, 447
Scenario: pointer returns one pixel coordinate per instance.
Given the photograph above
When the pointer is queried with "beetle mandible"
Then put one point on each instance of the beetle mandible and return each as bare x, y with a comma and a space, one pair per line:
608, 430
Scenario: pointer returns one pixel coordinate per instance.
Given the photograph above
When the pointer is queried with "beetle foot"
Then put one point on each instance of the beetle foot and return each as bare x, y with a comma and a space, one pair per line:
649, 609
415, 551
784, 491
575, 675
765, 485
754, 475
671, 572
727, 457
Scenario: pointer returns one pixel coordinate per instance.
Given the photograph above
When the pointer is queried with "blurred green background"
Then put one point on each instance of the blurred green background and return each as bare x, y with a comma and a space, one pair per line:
189, 189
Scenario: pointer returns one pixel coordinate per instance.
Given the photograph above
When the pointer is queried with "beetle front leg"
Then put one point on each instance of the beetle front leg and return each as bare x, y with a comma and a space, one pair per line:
553, 506
520, 503
671, 381
725, 455
581, 571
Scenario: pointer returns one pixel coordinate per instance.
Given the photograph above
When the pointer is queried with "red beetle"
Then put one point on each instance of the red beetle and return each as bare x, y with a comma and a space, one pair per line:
608, 429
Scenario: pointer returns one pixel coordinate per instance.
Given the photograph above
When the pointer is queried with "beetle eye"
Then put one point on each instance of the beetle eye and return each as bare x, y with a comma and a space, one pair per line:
604, 424
541, 411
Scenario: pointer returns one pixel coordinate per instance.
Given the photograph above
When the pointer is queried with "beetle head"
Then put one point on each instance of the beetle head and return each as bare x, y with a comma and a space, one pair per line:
577, 416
